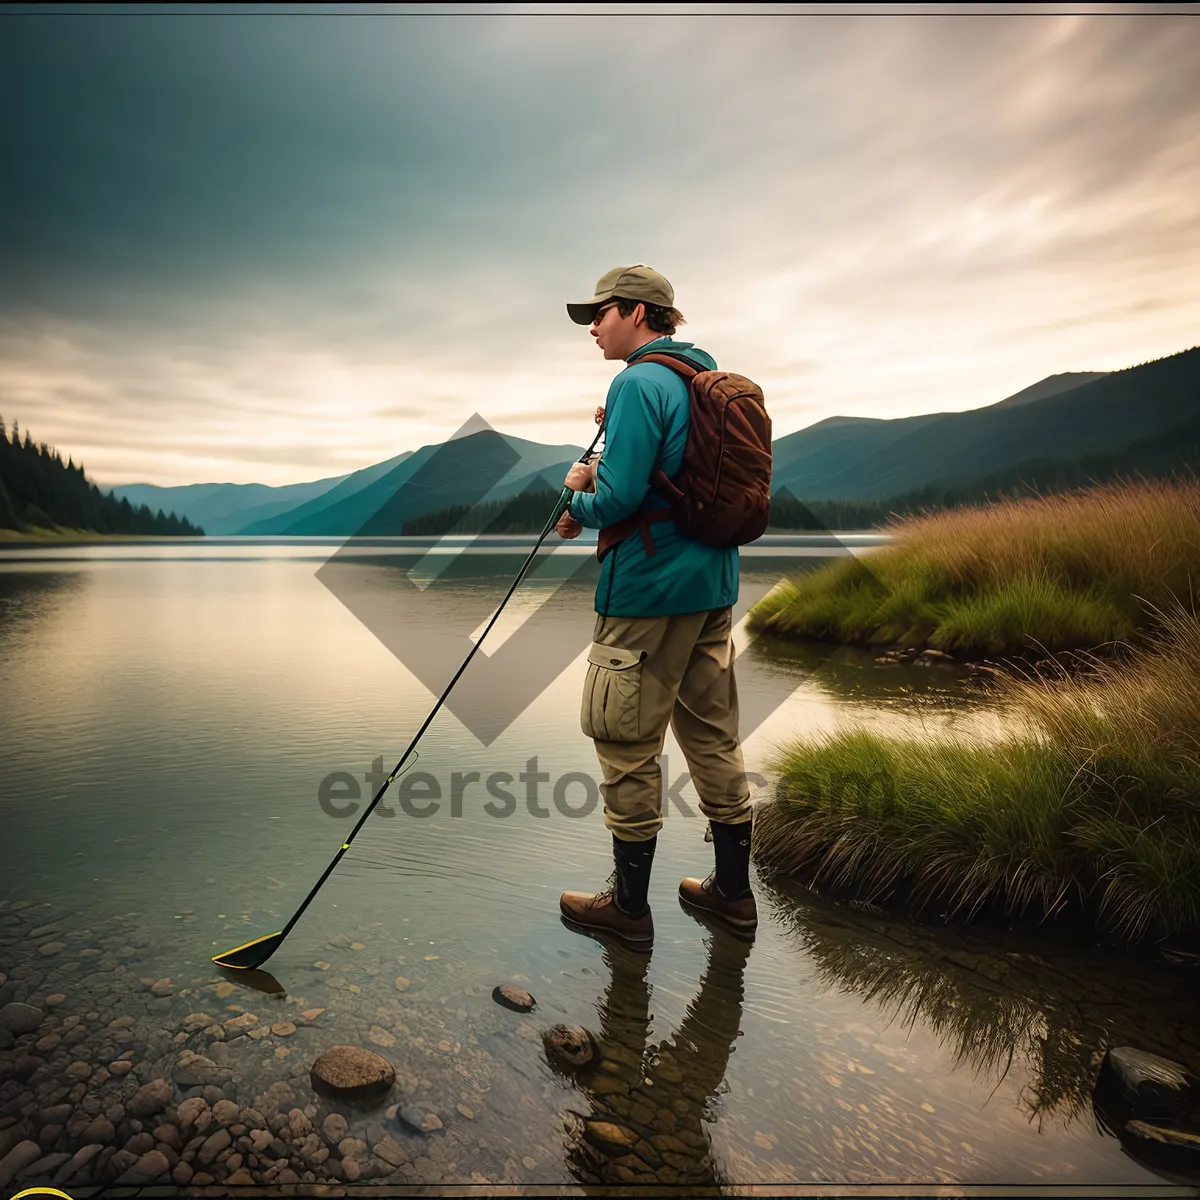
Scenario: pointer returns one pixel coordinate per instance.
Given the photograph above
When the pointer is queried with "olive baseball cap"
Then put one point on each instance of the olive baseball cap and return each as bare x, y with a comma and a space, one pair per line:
638, 282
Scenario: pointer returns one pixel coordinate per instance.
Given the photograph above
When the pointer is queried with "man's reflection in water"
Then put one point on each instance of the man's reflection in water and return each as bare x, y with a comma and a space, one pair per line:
646, 1104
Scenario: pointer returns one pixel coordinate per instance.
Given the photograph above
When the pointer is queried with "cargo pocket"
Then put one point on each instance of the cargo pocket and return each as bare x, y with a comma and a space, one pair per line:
612, 693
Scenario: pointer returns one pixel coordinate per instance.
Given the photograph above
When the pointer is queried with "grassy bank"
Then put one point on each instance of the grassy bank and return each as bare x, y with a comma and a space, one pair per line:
1094, 810
1059, 573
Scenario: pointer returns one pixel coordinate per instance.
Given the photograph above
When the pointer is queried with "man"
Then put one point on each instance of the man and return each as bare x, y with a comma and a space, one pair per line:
662, 648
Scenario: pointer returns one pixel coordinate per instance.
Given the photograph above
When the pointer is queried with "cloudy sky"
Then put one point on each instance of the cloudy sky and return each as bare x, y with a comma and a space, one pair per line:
246, 247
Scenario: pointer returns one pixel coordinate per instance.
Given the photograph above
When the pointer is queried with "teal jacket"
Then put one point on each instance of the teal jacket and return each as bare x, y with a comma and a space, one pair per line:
646, 417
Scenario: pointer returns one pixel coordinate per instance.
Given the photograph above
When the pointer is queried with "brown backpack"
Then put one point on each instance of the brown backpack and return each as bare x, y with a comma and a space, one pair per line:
721, 495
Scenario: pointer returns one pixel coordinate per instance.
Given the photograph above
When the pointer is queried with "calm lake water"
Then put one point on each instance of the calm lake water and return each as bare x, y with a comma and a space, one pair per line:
170, 714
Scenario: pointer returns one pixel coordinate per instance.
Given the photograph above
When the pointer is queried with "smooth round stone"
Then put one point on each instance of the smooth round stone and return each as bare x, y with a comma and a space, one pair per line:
513, 997
609, 1136
81, 1158
570, 1047
149, 1099
100, 1129
335, 1127
55, 1000
169, 1135
20, 1018
212, 1146
146, 1170
25, 1065
140, 1143
299, 1122
22, 1155
194, 1070
189, 1111
236, 1026
343, 1069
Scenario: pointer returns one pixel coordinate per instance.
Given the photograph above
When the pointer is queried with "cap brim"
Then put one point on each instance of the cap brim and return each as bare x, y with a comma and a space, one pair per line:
584, 314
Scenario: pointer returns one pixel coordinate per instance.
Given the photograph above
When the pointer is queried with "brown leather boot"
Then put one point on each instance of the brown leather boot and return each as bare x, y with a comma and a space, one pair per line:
599, 913
731, 847
613, 910
705, 898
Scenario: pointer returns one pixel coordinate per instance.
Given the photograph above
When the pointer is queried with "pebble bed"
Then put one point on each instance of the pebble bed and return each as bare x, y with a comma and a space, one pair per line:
109, 1076
201, 1081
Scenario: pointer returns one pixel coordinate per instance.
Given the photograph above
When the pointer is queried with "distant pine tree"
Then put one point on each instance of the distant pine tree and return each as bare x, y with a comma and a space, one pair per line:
8, 518
39, 490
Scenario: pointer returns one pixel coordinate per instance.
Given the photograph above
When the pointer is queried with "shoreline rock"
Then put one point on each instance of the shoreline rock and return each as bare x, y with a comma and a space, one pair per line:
513, 997
350, 1070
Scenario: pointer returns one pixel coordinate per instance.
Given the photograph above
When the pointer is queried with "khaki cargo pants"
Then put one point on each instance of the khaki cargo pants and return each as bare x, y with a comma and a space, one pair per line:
645, 673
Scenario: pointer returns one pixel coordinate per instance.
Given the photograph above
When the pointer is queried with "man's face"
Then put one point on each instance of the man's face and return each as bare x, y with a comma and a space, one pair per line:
616, 335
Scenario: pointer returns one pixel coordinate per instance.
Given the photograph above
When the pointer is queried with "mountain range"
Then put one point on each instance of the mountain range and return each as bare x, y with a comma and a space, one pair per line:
1063, 418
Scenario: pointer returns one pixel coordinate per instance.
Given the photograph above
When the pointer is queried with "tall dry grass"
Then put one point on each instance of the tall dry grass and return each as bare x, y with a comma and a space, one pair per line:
1060, 572
1094, 807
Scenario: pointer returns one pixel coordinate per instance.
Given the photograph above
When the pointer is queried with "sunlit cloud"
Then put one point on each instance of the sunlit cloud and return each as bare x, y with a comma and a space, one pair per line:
272, 249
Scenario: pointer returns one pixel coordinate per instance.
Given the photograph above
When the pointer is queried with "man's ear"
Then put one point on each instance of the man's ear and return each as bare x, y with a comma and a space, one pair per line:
639, 315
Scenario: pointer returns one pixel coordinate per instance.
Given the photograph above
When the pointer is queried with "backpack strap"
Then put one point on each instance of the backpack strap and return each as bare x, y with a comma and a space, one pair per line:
614, 534
661, 481
677, 363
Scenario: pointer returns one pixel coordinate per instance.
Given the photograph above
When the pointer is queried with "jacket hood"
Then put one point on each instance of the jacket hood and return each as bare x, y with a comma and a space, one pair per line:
668, 345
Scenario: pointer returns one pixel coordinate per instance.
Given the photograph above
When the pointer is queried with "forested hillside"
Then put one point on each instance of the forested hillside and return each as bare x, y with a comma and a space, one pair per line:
38, 491
859, 458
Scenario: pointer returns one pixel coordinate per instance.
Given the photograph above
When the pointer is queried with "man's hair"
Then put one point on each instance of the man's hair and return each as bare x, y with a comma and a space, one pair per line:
659, 318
